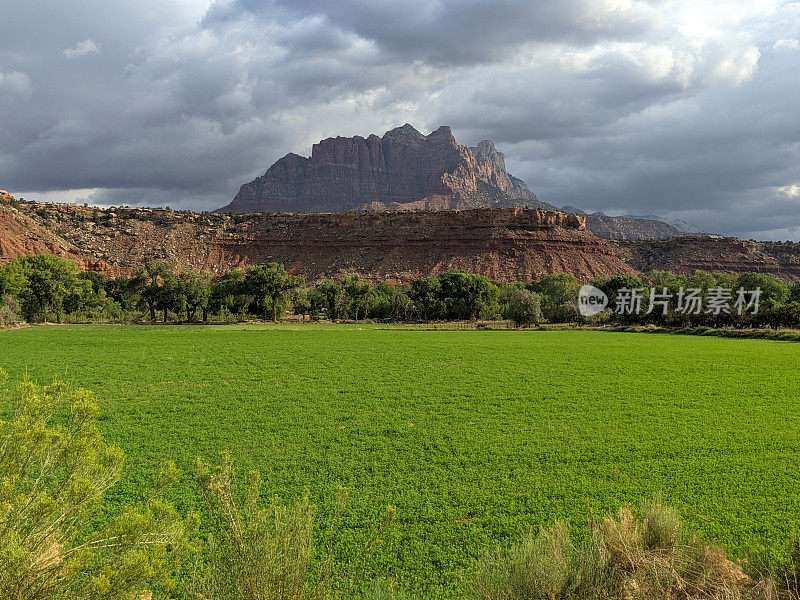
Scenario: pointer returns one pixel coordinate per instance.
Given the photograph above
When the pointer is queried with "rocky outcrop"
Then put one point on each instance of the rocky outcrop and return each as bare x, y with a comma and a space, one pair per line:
23, 235
403, 170
688, 254
629, 228
505, 244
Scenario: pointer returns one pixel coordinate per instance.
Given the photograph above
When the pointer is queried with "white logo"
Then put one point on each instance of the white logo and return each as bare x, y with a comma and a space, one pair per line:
591, 300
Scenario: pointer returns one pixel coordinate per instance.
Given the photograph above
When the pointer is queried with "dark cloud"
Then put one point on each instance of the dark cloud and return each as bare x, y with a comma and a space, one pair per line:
681, 108
458, 32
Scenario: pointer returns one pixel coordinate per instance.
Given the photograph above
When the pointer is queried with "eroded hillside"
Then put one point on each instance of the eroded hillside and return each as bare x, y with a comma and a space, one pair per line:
505, 244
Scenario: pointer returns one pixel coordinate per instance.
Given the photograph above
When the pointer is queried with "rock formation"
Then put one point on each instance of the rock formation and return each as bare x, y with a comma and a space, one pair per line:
688, 254
23, 235
505, 244
403, 170
631, 227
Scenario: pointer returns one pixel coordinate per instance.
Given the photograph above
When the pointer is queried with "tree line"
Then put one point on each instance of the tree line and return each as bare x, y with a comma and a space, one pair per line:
45, 288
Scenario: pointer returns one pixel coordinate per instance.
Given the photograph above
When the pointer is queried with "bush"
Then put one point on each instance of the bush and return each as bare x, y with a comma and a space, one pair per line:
647, 558
52, 481
9, 312
263, 553
259, 553
524, 307
541, 567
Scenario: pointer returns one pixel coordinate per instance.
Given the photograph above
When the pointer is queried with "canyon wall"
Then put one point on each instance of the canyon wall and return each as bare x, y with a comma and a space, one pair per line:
688, 254
505, 244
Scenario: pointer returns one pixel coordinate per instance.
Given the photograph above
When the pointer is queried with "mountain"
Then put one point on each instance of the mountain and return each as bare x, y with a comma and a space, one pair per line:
681, 226
633, 227
403, 170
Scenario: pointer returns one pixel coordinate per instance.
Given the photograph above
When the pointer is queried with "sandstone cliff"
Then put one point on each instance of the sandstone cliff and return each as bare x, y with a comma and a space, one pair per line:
403, 170
712, 253
23, 235
505, 244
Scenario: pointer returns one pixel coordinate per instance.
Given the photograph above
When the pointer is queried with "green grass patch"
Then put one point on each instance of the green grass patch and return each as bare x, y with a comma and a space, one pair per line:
475, 436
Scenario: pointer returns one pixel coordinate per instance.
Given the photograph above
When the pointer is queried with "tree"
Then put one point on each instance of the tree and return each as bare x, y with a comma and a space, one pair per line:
327, 296
559, 296
230, 294
774, 291
124, 291
465, 294
55, 472
171, 295
524, 307
197, 290
388, 301
701, 280
426, 293
48, 281
86, 296
12, 278
301, 301
149, 279
357, 293
794, 292
269, 284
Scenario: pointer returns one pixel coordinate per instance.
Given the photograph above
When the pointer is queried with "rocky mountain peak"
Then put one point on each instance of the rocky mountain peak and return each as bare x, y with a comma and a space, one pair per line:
403, 170
406, 132
486, 153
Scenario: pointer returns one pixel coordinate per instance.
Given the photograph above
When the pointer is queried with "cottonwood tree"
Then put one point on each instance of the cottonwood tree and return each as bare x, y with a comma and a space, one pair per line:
47, 282
197, 290
329, 297
524, 307
357, 292
230, 294
465, 294
270, 284
150, 278
559, 292
425, 293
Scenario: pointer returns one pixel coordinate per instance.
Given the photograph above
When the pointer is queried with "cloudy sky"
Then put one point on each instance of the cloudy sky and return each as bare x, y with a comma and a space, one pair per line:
686, 109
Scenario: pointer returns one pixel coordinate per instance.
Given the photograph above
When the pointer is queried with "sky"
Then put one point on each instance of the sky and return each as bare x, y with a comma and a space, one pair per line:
684, 109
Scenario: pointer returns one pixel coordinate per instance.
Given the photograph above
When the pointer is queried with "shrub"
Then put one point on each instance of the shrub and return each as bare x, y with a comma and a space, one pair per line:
265, 553
9, 312
540, 567
625, 556
52, 480
259, 553
524, 307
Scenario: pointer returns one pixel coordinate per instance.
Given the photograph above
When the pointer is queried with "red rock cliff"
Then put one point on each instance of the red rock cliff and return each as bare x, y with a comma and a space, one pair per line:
505, 244
401, 170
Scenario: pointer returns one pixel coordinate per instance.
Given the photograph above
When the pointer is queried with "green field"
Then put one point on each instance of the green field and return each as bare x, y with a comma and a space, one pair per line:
475, 436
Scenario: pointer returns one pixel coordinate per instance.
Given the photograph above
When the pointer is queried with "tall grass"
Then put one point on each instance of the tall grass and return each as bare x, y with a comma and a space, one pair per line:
626, 556
266, 552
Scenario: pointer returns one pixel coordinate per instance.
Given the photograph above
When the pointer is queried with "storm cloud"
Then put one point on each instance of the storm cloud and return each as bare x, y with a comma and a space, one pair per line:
685, 109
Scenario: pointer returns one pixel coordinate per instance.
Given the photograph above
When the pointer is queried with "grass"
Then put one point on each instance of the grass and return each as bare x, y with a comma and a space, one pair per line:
475, 436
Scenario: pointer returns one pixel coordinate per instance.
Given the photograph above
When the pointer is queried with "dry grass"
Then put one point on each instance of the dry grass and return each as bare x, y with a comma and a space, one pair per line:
626, 557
